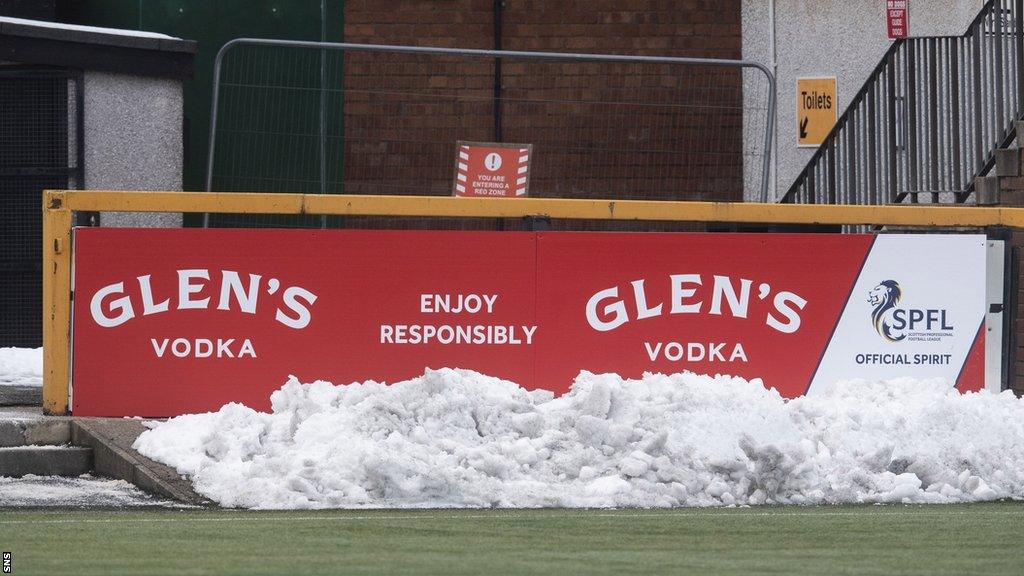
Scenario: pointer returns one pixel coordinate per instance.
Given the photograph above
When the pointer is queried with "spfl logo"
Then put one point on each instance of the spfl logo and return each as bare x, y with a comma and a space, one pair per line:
884, 298
894, 323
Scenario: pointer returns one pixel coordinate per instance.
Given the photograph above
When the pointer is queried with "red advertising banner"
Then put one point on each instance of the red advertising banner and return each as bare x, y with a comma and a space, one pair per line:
172, 321
492, 170
661, 305
896, 18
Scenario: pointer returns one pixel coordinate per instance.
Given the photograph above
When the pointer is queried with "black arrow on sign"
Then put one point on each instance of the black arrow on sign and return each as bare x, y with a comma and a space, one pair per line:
803, 127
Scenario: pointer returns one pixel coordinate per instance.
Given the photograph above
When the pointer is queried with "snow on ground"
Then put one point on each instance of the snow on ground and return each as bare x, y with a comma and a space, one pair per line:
458, 438
21, 366
85, 490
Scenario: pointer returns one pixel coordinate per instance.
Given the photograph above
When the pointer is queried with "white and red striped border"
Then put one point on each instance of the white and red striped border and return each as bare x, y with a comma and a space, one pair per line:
522, 166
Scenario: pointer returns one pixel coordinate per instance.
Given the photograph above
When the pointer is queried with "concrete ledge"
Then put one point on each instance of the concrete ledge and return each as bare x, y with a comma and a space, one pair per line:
48, 432
57, 461
111, 440
1008, 162
986, 190
21, 396
11, 434
51, 432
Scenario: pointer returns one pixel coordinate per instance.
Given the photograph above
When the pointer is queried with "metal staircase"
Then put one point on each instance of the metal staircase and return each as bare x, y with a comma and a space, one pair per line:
927, 121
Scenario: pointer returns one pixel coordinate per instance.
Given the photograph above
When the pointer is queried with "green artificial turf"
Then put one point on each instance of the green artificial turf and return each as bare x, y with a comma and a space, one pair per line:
896, 539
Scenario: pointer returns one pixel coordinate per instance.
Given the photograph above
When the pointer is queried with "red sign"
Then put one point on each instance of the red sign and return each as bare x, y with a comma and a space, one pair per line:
896, 18
492, 170
172, 321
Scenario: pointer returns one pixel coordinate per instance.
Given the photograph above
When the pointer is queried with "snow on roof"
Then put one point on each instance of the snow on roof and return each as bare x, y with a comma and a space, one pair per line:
92, 29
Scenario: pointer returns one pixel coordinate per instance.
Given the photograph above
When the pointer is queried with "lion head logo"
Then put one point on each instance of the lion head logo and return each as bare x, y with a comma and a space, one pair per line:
885, 297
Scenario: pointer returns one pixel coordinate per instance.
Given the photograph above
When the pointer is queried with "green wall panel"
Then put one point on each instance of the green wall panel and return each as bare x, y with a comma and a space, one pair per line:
211, 23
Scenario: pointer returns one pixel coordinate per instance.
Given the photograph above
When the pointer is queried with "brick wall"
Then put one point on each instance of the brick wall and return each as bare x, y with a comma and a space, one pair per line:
599, 129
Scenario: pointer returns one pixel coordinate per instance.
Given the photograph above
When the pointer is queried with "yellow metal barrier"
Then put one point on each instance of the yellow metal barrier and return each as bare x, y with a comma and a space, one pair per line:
58, 206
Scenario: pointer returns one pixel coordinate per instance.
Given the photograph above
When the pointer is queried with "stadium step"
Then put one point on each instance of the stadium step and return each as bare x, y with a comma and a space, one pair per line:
21, 396
112, 440
31, 443
27, 428
21, 461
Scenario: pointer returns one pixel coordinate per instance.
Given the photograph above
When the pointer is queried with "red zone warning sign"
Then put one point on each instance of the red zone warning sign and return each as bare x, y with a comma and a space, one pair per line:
168, 322
492, 170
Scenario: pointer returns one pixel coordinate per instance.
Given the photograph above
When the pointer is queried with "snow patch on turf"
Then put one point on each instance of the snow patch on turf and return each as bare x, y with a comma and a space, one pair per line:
80, 491
459, 438
21, 366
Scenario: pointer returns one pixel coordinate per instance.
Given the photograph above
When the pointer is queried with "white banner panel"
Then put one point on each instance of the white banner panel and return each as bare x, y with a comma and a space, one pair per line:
915, 310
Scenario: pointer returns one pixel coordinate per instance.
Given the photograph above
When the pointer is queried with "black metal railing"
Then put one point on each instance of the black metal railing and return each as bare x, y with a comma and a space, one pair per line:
928, 119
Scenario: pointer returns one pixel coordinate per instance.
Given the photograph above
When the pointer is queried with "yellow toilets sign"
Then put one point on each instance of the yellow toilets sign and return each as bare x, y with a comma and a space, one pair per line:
815, 109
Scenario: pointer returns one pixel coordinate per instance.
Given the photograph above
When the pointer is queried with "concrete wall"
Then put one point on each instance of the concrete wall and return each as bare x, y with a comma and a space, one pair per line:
841, 38
133, 140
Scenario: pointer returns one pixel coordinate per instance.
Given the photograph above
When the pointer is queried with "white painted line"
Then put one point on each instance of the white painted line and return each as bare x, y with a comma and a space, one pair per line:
461, 177
523, 169
539, 514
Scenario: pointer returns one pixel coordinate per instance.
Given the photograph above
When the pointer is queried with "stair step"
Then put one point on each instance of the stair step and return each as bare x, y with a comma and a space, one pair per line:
45, 461
1008, 162
21, 396
48, 432
986, 190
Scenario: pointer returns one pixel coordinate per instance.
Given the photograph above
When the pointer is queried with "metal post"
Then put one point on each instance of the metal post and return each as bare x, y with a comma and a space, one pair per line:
56, 302
954, 112
933, 119
1000, 117
891, 156
1018, 43
769, 133
809, 187
831, 167
872, 154
211, 142
976, 63
323, 107
851, 159
498, 16
912, 160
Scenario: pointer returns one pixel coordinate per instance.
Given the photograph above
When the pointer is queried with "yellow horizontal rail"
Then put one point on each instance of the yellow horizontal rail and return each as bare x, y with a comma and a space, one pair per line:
345, 205
58, 206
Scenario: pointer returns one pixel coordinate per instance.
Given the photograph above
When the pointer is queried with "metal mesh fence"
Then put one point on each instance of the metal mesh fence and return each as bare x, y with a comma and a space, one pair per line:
37, 151
344, 119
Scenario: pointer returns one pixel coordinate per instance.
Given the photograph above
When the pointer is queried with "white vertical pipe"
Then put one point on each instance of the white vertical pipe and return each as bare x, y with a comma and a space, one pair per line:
774, 67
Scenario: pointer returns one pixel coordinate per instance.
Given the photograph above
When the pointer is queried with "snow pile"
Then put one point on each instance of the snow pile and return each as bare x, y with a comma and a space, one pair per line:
21, 366
458, 438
